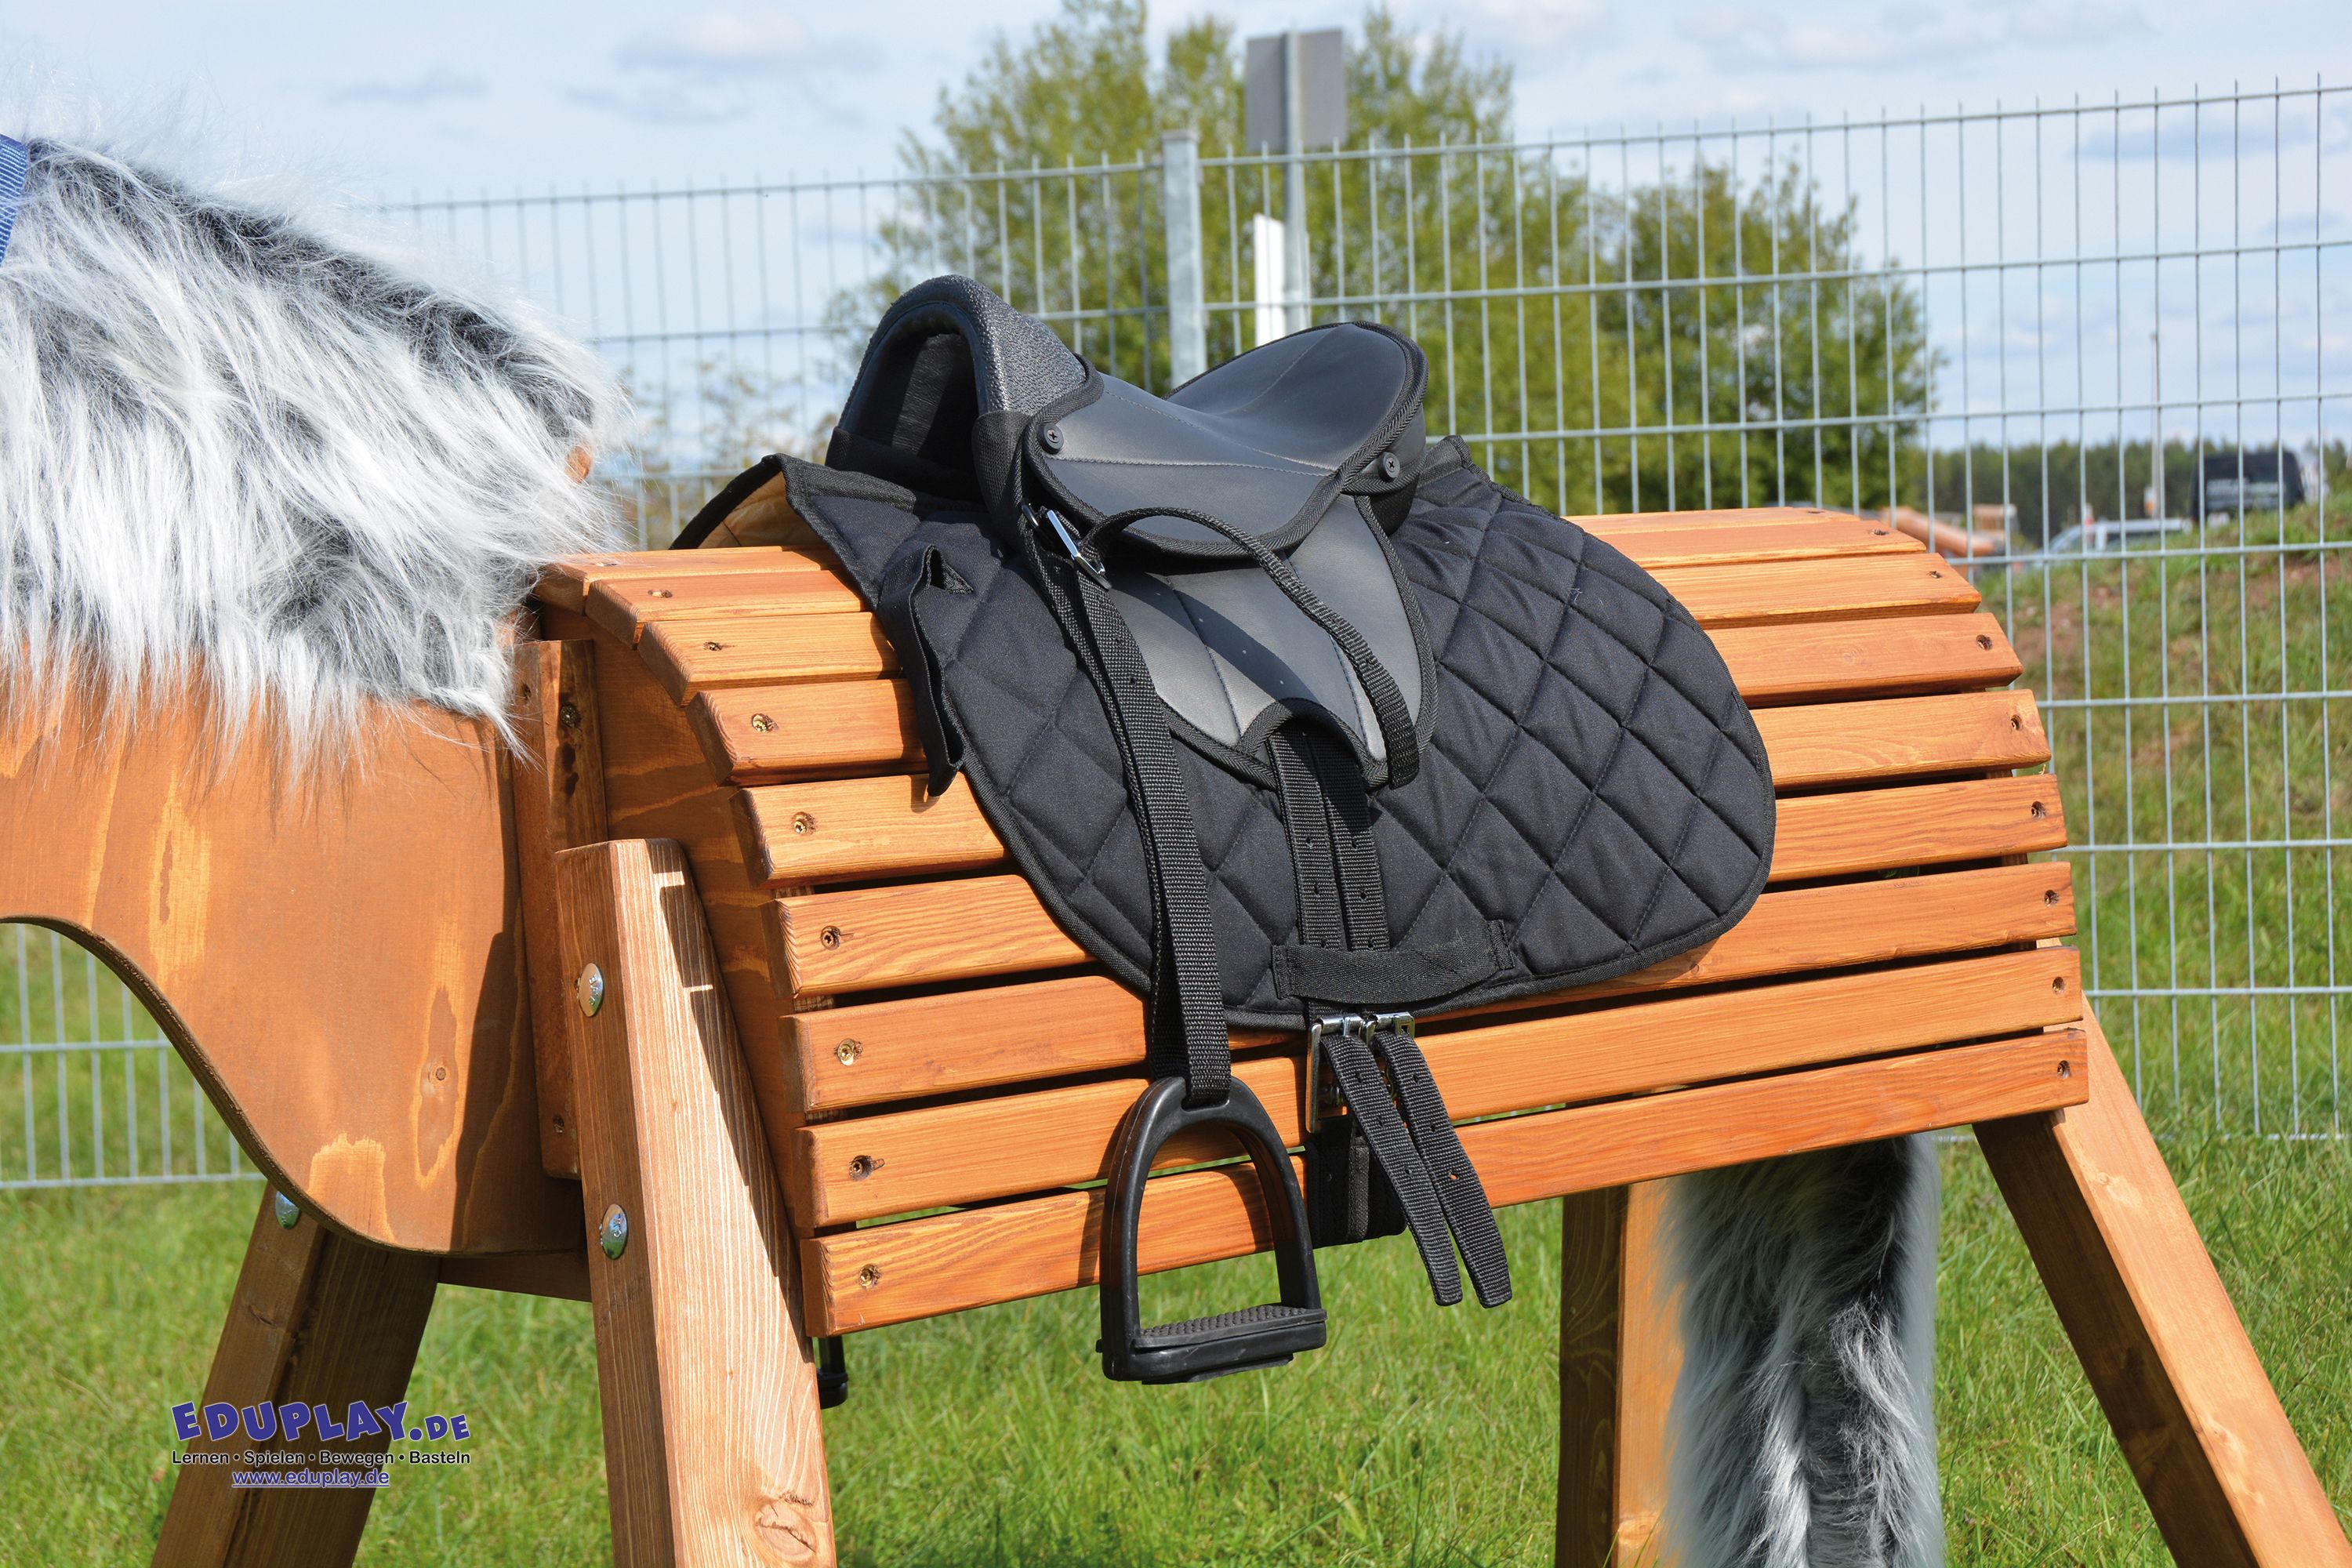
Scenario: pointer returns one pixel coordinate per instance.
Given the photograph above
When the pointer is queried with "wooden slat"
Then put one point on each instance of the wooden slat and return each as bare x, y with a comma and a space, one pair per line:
694, 652
1708, 539
1817, 745
854, 830
1816, 662
932, 932
842, 1058
974, 1150
1842, 588
1682, 539
756, 733
566, 583
945, 1263
858, 829
626, 606
1605, 524
770, 649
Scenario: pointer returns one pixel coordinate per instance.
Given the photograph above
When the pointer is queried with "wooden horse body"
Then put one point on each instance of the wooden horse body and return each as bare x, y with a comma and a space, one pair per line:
705, 951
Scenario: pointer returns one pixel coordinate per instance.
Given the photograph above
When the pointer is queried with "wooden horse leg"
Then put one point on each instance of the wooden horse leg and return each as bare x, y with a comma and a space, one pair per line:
1617, 1358
2166, 1354
316, 1319
712, 1450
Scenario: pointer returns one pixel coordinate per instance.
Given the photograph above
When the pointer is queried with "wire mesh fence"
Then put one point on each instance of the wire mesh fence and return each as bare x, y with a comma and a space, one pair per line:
2098, 353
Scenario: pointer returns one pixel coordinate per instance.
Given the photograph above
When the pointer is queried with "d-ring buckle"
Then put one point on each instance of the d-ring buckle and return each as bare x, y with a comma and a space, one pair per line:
1322, 1094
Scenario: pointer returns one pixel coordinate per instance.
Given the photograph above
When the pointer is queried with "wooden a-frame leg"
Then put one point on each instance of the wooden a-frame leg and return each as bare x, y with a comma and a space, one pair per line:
316, 1319
712, 1450
2223, 1474
1617, 1358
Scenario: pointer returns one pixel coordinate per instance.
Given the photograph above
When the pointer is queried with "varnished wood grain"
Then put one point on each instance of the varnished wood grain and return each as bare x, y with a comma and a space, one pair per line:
658, 784
1722, 539
2221, 1469
559, 801
931, 932
1819, 744
712, 651
712, 1449
337, 954
944, 1263
842, 1058
627, 605
316, 1319
1817, 662
566, 583
1592, 1259
891, 826
1836, 588
973, 1150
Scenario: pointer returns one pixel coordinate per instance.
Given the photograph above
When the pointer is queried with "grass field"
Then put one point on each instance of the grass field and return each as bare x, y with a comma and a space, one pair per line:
991, 1440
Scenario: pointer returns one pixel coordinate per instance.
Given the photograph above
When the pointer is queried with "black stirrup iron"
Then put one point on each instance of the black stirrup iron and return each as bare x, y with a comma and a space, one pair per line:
1293, 720
1209, 1347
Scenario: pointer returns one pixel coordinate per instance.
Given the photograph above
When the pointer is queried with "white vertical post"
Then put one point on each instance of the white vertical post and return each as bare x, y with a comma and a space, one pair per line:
1180, 206
1294, 183
1268, 275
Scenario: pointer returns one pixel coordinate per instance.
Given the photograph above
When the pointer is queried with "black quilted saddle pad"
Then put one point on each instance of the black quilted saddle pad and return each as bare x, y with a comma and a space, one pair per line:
1590, 794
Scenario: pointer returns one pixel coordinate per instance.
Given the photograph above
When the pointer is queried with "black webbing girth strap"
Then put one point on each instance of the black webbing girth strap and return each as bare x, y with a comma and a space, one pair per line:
1393, 1103
1185, 1029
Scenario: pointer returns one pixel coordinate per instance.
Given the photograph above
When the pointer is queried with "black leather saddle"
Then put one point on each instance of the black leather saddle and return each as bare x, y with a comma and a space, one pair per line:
1292, 718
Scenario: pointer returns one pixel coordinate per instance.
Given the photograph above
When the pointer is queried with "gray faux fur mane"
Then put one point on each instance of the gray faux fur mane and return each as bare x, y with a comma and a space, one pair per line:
239, 447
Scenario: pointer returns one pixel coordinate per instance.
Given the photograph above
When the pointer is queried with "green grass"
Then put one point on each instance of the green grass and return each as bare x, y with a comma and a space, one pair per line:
2248, 768
991, 1440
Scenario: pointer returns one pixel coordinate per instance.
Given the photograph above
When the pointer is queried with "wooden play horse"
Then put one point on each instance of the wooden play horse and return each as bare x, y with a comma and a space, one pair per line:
665, 1011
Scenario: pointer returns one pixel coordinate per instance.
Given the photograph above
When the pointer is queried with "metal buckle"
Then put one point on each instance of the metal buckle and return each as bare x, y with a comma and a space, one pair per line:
1078, 552
1352, 1026
1395, 1023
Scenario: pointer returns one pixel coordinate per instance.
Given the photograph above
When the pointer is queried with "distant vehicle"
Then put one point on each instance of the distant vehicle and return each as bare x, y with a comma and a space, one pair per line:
2237, 483
2107, 538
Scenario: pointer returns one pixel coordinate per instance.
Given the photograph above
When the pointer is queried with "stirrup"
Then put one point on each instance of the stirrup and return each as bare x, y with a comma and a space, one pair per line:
1209, 1347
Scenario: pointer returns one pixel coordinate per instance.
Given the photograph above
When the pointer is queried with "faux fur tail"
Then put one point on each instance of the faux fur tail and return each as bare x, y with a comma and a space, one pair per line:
1805, 1428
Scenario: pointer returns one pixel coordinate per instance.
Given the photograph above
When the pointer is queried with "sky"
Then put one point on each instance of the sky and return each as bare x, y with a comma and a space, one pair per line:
434, 95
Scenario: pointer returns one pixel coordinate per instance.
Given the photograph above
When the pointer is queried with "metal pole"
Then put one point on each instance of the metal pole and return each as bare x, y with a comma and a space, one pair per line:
1180, 206
1294, 185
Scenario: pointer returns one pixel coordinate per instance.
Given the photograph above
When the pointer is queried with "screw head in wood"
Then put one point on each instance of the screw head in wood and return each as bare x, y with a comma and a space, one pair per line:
613, 1235
848, 1052
869, 1277
761, 723
589, 991
803, 824
568, 715
288, 1216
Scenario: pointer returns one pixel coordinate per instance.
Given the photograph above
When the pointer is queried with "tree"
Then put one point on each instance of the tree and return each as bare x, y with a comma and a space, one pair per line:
1550, 306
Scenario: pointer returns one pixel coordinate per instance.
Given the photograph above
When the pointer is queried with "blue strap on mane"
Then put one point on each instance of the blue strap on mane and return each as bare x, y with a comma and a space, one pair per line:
14, 162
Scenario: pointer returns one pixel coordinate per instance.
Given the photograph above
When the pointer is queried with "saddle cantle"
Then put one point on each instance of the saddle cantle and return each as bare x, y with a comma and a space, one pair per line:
1292, 719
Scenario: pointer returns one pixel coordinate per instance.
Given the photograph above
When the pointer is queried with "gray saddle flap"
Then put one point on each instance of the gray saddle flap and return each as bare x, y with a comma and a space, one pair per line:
1266, 441
1313, 443
1232, 657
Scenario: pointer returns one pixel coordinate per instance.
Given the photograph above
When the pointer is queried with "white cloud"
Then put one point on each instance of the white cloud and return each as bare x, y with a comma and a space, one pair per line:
720, 43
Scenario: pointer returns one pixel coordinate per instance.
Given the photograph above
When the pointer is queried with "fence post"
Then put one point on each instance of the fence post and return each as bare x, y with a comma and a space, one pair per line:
1180, 204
